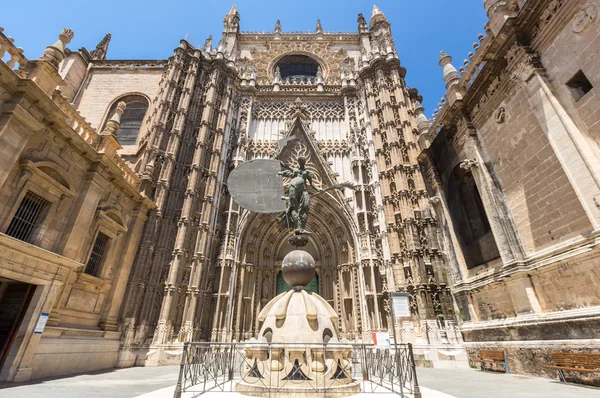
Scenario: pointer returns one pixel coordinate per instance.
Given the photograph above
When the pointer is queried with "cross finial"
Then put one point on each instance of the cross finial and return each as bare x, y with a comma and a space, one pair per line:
56, 52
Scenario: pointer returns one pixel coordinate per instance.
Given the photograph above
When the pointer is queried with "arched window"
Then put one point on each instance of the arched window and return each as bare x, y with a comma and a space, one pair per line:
297, 66
131, 120
471, 222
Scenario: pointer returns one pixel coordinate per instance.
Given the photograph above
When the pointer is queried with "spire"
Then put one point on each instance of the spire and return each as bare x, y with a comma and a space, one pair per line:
492, 6
497, 12
450, 73
278, 26
422, 122
319, 27
108, 137
233, 11
56, 52
114, 123
362, 24
102, 48
232, 20
376, 11
377, 16
208, 44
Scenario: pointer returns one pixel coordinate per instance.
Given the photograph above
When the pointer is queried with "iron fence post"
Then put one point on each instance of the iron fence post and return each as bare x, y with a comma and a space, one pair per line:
270, 359
411, 358
177, 393
230, 363
365, 365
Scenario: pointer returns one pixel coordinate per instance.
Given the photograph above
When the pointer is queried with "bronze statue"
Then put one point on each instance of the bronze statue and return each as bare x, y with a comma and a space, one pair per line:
298, 196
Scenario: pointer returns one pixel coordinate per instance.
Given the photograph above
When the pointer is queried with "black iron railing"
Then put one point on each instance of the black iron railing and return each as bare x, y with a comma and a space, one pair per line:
229, 367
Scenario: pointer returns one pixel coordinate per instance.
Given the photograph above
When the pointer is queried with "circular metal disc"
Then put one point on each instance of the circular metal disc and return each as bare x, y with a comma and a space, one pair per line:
255, 186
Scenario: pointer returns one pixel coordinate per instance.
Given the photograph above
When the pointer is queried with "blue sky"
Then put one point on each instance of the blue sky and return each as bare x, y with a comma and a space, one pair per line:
151, 29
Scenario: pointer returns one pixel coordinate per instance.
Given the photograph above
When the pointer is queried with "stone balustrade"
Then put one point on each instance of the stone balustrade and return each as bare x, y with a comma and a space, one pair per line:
75, 120
13, 55
130, 64
89, 135
475, 63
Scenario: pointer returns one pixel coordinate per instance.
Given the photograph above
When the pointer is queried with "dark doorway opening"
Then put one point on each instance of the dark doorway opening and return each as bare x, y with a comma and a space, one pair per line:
14, 301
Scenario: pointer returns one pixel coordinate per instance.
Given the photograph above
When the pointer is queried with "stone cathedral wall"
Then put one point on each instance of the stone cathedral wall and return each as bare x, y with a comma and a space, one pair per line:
522, 112
106, 85
71, 216
544, 205
569, 52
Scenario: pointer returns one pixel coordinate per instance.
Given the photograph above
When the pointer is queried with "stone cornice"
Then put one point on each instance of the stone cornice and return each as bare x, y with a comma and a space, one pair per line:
579, 315
33, 254
575, 250
129, 64
260, 37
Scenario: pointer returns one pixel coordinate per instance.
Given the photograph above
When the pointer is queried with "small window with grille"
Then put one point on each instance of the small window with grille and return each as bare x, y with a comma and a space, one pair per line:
27, 218
95, 261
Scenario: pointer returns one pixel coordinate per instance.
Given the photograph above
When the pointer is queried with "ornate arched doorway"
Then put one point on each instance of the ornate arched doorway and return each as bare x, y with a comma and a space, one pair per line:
260, 248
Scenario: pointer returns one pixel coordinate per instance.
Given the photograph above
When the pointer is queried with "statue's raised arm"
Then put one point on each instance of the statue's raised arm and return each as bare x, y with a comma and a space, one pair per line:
285, 166
309, 177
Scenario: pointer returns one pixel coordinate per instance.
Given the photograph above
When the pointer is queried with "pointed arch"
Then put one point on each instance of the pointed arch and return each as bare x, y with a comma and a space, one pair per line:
133, 117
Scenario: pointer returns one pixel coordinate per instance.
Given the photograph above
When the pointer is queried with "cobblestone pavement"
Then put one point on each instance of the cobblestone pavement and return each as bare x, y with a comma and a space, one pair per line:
159, 382
471, 383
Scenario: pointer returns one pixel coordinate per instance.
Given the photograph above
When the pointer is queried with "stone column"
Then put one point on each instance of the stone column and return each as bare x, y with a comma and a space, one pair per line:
240, 299
108, 320
219, 316
501, 223
194, 293
159, 115
173, 283
17, 125
73, 244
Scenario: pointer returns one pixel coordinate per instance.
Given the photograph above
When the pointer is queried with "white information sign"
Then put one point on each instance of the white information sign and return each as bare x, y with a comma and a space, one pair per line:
41, 323
381, 339
400, 302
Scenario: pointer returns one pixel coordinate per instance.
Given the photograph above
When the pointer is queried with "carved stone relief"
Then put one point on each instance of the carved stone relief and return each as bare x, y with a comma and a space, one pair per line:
584, 19
322, 51
500, 115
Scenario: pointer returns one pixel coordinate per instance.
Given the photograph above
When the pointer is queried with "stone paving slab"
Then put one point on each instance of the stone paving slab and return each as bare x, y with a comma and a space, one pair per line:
116, 383
168, 393
471, 383
159, 383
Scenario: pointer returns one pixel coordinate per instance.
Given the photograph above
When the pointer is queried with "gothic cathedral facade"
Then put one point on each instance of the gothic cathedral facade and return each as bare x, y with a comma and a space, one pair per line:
206, 267
120, 240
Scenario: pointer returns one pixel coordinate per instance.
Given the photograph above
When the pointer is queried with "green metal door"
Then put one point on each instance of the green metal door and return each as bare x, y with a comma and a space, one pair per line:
284, 287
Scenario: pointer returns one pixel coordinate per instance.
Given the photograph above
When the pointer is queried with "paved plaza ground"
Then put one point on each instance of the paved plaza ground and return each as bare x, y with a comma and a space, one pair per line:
159, 382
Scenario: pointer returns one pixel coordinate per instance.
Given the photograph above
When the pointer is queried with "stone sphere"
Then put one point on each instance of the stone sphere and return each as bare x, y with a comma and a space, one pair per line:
298, 268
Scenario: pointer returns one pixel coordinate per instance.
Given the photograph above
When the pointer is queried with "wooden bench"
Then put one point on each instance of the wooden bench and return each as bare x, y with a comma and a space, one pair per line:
491, 356
575, 362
